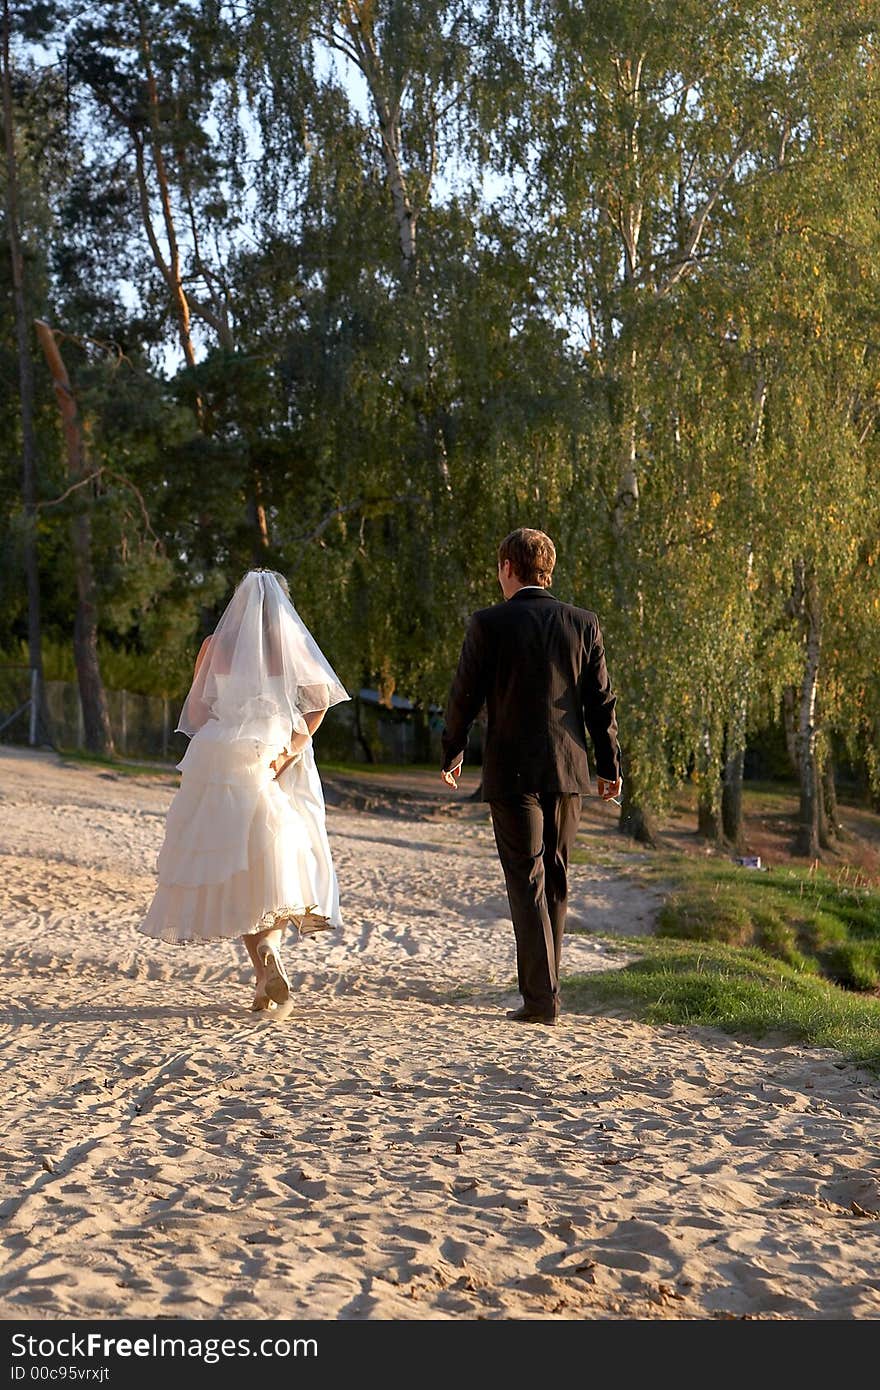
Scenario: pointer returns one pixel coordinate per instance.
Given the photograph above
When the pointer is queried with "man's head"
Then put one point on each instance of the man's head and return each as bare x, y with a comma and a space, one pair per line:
525, 557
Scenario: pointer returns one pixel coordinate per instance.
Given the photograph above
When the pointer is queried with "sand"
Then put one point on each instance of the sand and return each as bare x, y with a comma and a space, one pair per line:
388, 1146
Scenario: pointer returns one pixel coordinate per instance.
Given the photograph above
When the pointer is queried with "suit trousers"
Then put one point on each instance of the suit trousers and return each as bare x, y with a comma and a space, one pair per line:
534, 833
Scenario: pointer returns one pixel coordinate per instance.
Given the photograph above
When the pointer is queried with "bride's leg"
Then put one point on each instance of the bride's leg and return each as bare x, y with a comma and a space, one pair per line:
272, 936
261, 998
267, 950
250, 942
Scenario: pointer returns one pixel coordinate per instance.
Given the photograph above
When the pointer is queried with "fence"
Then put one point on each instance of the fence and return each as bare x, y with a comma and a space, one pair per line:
362, 730
142, 725
18, 693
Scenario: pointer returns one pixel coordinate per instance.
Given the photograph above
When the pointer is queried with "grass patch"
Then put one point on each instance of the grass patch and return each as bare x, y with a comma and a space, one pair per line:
116, 765
738, 990
609, 851
812, 920
374, 769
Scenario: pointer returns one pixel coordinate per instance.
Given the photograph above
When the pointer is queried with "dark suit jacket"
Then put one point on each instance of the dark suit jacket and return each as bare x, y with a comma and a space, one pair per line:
539, 665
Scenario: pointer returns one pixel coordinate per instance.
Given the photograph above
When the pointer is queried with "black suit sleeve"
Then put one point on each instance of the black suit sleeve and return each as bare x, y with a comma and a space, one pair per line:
466, 695
599, 701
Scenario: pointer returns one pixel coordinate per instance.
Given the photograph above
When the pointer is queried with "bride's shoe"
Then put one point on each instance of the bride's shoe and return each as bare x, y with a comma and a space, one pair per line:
312, 922
275, 983
262, 1001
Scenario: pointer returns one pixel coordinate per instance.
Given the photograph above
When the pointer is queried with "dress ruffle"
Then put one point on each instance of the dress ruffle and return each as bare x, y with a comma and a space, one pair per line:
243, 850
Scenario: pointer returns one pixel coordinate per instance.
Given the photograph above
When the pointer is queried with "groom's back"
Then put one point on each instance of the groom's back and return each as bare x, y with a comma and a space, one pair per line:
543, 669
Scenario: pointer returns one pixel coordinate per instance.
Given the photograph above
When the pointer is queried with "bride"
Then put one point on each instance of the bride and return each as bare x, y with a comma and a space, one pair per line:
246, 850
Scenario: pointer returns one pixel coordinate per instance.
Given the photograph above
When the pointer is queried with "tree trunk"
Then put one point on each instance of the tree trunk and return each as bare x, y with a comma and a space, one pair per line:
96, 719
825, 836
709, 798
807, 842
359, 732
171, 270
153, 178
636, 820
732, 816
732, 821
829, 789
386, 85
38, 720
258, 519
386, 93
874, 798
709, 813
789, 724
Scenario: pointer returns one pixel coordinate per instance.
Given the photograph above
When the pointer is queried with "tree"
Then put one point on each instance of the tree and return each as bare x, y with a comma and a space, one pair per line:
158, 75
25, 372
642, 160
96, 719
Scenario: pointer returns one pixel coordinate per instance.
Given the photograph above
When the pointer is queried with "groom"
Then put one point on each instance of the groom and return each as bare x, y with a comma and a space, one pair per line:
539, 665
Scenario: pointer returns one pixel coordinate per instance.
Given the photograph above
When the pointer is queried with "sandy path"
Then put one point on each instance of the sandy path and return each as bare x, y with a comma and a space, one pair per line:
391, 1148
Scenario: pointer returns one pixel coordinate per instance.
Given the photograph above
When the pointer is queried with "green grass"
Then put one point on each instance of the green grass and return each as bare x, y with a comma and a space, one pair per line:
128, 768
739, 990
812, 920
792, 951
373, 769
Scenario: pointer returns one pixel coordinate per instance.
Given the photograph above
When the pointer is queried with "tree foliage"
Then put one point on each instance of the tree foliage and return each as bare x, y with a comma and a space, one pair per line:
353, 289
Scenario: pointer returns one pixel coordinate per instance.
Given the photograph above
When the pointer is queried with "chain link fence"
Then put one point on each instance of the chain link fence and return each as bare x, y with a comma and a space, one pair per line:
142, 725
362, 730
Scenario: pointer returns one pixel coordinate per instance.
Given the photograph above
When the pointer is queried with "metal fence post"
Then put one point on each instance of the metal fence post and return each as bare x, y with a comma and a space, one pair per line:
35, 707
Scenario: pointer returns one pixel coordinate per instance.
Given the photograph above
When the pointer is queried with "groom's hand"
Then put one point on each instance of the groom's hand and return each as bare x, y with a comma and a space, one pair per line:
449, 776
610, 791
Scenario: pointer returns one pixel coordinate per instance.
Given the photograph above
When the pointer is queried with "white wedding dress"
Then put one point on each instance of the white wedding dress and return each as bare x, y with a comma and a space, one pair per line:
243, 850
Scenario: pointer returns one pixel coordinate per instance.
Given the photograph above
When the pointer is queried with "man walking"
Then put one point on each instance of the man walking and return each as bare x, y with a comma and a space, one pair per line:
539, 666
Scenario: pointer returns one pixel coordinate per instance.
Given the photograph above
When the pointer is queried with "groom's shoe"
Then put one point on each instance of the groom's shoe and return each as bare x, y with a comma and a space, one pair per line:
527, 1015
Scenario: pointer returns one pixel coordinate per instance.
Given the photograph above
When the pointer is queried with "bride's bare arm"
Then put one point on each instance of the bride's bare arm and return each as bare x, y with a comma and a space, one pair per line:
203, 652
314, 719
196, 707
298, 742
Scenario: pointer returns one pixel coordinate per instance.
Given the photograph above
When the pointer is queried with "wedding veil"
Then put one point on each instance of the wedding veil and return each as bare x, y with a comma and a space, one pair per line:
263, 670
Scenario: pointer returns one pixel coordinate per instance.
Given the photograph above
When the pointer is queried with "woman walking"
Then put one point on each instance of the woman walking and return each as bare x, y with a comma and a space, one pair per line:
246, 850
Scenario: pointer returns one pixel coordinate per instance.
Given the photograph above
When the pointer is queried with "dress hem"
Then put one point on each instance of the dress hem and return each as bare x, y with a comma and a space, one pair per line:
306, 920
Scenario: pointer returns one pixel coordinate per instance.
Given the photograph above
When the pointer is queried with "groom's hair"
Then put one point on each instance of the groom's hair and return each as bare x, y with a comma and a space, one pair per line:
532, 556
